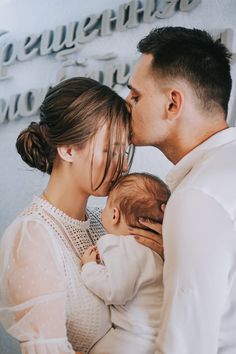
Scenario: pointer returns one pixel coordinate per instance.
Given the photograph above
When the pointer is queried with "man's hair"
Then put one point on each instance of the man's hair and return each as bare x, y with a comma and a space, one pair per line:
193, 55
139, 195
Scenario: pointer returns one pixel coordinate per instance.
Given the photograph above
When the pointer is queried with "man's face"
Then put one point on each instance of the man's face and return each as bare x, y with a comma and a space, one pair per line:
147, 100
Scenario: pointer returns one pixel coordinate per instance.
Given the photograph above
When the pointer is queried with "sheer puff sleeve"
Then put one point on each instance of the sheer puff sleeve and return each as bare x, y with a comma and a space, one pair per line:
32, 289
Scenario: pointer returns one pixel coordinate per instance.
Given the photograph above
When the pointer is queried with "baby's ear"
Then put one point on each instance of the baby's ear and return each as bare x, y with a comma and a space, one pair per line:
163, 206
115, 216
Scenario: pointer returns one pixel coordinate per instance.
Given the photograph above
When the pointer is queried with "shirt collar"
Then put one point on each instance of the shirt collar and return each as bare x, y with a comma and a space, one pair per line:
184, 166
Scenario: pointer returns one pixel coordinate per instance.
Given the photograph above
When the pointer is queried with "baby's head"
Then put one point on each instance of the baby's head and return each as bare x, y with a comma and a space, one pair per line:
133, 196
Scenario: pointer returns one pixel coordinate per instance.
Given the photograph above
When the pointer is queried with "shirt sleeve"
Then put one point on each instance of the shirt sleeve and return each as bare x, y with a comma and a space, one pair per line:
198, 238
123, 272
32, 289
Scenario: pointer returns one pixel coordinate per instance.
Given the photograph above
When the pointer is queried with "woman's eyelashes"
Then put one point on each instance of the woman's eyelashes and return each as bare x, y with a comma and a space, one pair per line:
113, 154
117, 150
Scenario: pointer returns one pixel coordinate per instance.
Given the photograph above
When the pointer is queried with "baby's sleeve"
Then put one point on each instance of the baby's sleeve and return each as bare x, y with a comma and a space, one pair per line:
32, 289
120, 276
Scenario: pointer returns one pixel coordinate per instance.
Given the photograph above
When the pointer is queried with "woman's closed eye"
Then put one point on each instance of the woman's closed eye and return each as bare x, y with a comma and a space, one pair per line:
115, 153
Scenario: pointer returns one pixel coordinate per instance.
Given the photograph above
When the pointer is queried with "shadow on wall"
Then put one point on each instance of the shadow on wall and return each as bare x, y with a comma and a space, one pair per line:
8, 345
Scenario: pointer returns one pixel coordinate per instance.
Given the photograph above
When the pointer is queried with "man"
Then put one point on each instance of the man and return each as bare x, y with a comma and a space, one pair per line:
179, 95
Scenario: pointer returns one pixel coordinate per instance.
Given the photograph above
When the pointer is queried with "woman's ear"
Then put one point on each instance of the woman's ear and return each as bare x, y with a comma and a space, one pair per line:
65, 152
115, 216
175, 104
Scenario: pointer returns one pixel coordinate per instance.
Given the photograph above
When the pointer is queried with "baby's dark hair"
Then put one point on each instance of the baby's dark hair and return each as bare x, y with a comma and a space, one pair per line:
139, 195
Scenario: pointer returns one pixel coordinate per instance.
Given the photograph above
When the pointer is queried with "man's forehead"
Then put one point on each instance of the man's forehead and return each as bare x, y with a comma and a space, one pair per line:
142, 74
144, 64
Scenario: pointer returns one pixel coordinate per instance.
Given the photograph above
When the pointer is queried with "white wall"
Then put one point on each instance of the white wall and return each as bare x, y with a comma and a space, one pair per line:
18, 182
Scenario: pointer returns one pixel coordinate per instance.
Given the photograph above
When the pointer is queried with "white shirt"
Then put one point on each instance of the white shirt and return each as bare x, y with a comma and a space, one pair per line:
199, 231
43, 301
130, 278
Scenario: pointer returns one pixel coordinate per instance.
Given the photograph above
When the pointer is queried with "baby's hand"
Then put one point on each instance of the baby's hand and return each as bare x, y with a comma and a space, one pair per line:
90, 255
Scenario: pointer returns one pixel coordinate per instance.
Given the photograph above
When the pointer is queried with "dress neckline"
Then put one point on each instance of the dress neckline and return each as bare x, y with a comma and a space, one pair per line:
66, 219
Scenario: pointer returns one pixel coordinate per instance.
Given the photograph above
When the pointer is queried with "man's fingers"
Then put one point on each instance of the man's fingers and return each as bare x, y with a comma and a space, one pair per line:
151, 224
151, 237
149, 234
156, 247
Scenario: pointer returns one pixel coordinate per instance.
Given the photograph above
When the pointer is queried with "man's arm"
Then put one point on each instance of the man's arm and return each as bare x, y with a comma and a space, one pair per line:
198, 238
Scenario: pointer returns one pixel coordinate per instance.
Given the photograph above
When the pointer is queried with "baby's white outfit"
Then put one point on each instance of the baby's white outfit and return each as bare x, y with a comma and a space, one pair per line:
130, 280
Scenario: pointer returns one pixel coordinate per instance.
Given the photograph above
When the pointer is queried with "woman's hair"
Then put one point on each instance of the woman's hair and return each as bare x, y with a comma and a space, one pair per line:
71, 114
139, 195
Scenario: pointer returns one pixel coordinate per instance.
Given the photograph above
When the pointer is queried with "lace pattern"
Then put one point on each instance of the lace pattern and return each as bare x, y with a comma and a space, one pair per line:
87, 316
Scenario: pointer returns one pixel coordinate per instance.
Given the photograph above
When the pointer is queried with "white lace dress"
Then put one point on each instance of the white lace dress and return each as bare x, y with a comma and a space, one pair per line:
43, 302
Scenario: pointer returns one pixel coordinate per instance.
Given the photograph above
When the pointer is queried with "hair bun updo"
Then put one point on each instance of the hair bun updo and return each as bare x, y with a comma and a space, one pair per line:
33, 147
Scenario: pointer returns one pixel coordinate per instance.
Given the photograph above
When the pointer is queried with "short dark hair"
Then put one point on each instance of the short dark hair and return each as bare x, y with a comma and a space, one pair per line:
192, 54
139, 195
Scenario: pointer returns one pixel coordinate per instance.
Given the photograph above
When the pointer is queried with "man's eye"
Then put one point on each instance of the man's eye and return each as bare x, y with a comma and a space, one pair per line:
134, 98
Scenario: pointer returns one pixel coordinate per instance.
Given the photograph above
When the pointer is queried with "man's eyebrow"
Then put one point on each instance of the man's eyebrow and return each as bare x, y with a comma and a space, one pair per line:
133, 89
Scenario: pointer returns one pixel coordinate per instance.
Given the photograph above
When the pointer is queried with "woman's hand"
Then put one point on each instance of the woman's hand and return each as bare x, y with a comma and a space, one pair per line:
151, 237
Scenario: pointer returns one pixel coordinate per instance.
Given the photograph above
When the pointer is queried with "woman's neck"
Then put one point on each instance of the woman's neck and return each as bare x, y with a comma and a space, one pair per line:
66, 197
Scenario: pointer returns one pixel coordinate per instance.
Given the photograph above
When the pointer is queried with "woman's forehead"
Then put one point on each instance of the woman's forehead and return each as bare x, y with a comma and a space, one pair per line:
116, 136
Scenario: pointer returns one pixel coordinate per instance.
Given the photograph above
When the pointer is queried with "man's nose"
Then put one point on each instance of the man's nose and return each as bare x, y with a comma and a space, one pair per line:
128, 103
125, 167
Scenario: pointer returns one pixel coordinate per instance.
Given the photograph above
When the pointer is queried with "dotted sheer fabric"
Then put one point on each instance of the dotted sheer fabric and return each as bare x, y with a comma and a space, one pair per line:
43, 301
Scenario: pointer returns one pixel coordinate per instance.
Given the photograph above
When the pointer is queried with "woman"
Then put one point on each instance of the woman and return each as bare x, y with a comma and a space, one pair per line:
80, 141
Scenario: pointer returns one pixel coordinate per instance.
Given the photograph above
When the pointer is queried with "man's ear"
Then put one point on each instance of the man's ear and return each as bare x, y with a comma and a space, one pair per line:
115, 216
175, 104
65, 152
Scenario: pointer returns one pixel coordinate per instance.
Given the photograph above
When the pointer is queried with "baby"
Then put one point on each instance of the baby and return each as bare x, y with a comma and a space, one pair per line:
124, 273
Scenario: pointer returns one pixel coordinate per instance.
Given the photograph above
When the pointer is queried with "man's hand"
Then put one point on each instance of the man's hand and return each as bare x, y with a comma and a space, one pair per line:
90, 255
152, 237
